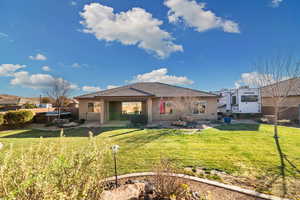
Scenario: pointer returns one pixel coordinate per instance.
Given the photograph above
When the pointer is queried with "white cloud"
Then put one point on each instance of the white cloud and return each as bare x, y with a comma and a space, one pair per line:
254, 79
46, 68
38, 57
73, 3
3, 35
161, 75
36, 81
112, 86
195, 15
276, 3
24, 79
76, 65
9, 69
133, 27
90, 89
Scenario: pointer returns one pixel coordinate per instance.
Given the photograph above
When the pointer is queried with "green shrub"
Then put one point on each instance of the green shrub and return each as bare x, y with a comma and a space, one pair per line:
1, 119
53, 171
16, 118
29, 106
137, 120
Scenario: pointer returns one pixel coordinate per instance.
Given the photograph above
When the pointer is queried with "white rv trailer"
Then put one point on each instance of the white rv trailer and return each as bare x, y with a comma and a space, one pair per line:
243, 100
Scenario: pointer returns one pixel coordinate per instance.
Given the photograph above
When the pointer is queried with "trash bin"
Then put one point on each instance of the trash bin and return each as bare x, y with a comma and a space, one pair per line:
227, 120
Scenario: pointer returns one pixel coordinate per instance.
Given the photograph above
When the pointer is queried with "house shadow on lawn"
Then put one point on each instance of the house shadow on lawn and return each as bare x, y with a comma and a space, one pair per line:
238, 127
125, 133
80, 132
151, 135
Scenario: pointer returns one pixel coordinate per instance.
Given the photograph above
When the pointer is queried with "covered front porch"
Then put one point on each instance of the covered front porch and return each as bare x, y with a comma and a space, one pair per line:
118, 110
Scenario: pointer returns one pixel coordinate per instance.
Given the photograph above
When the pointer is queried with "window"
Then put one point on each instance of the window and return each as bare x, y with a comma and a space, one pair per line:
199, 107
233, 100
168, 108
97, 107
249, 98
90, 107
131, 108
94, 107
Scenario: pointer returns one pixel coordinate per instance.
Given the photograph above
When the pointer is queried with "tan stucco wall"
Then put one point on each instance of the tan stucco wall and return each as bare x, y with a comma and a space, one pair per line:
289, 108
211, 109
83, 111
290, 101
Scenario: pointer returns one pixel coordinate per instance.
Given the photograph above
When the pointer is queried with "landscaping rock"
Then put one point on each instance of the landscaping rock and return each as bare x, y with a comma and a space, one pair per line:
125, 192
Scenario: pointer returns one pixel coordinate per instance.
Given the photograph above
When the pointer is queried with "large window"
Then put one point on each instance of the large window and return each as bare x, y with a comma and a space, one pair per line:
131, 108
168, 108
94, 107
91, 107
249, 98
199, 107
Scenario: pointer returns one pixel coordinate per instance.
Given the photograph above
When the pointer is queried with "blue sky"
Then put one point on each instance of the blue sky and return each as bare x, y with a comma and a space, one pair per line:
206, 45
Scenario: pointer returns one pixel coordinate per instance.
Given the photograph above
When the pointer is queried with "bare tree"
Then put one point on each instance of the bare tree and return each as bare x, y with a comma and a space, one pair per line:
59, 90
278, 79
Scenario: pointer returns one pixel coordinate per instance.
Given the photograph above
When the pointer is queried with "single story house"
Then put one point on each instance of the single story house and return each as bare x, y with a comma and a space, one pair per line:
290, 107
157, 101
9, 102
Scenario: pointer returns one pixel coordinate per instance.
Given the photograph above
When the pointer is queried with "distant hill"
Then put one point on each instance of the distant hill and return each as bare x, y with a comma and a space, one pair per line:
7, 99
8, 96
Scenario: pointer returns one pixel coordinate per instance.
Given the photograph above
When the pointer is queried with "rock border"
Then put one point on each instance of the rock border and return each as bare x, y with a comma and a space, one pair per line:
205, 181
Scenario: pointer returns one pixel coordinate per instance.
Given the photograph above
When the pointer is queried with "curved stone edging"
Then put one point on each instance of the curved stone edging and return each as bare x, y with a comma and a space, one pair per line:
205, 181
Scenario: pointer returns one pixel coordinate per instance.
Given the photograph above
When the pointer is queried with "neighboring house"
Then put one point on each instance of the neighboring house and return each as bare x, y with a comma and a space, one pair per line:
18, 101
32, 101
155, 100
290, 107
10, 102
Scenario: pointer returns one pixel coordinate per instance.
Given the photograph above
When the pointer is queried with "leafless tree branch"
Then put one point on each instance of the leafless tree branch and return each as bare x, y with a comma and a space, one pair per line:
59, 90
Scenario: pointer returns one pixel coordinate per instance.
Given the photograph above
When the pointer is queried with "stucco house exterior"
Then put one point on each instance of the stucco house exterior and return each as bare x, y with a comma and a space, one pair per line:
152, 99
290, 107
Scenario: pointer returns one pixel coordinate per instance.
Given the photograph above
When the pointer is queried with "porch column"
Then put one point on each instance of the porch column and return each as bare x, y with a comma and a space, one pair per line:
102, 112
149, 110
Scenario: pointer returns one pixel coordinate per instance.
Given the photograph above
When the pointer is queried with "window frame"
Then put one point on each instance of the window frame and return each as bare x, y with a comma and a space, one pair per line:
140, 106
251, 96
165, 105
203, 103
88, 107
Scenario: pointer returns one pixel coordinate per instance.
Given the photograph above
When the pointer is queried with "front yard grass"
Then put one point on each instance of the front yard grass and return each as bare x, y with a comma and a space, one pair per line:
245, 151
236, 149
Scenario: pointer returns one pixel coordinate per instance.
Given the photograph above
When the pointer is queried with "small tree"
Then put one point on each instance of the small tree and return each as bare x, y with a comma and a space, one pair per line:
278, 79
59, 90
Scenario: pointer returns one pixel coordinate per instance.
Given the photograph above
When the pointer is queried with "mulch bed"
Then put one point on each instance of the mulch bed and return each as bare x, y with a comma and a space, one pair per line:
213, 192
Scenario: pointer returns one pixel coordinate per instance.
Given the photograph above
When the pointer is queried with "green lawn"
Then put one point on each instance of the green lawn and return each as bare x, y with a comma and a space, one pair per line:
239, 149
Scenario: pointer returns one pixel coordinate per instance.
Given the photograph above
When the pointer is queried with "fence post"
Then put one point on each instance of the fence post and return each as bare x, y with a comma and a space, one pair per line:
299, 114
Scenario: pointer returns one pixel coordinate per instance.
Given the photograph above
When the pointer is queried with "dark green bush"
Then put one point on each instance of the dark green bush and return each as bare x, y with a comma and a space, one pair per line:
1, 119
16, 118
29, 106
137, 120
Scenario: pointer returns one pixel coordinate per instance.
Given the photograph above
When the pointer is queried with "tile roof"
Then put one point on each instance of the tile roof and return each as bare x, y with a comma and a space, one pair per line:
289, 87
145, 89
